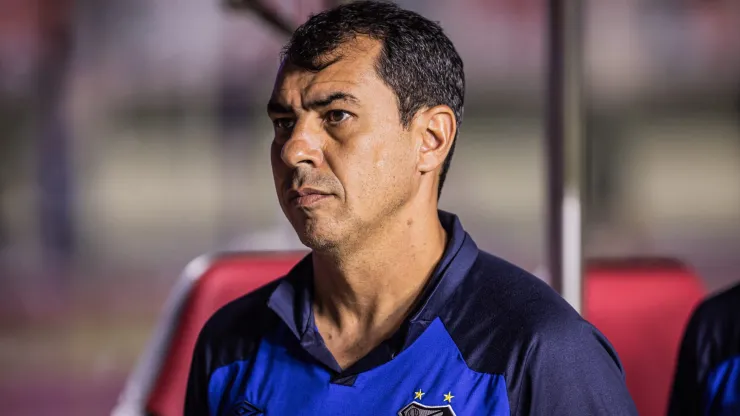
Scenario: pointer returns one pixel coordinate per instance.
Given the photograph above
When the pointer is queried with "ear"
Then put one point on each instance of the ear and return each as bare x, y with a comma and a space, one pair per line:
435, 127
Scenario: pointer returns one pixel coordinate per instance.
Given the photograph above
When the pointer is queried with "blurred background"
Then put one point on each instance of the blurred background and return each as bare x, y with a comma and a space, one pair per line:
133, 137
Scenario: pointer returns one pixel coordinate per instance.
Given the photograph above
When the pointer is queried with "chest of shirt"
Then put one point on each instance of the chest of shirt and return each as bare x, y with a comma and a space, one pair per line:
428, 378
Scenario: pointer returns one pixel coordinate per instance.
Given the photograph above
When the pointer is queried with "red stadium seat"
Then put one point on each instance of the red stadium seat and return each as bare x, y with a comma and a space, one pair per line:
157, 386
643, 306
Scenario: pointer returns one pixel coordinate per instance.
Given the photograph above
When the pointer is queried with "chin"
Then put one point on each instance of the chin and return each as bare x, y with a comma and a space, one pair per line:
317, 237
317, 242
319, 246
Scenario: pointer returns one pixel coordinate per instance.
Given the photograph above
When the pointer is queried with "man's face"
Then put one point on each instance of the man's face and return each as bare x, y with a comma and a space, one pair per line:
343, 163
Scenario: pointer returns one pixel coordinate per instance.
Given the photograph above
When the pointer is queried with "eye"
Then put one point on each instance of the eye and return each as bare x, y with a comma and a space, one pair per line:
336, 116
284, 123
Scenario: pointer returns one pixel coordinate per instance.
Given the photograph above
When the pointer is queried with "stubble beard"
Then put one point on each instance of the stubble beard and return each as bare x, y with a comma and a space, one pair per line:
339, 237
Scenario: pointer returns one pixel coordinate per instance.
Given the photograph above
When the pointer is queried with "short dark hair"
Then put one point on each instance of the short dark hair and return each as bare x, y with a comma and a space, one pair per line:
417, 61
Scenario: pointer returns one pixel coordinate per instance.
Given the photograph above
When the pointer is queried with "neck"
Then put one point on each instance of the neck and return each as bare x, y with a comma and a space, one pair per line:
374, 286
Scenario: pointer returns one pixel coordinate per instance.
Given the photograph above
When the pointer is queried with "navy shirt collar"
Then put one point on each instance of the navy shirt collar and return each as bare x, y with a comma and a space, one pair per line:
292, 298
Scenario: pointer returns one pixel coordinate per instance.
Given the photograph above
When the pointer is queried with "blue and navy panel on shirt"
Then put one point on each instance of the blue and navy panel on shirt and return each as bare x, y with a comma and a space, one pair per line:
486, 339
275, 381
707, 380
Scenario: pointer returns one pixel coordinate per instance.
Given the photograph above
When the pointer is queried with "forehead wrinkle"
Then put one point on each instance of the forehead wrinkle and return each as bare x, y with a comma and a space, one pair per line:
311, 87
316, 92
352, 69
323, 89
355, 71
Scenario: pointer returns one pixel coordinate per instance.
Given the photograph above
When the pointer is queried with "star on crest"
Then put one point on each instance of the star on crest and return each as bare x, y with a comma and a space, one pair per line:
448, 397
418, 394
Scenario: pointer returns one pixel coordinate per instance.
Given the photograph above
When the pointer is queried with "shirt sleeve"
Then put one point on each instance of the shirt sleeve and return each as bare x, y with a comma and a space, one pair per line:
571, 369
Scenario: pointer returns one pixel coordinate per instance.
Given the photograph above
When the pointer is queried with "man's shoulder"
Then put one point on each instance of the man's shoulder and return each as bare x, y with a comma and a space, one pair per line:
501, 312
500, 289
246, 316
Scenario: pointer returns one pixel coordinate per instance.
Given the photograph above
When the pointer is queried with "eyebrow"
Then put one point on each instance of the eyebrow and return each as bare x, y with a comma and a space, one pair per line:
275, 107
335, 96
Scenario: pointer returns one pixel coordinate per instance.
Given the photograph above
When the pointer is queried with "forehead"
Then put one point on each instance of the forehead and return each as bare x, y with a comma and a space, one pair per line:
353, 69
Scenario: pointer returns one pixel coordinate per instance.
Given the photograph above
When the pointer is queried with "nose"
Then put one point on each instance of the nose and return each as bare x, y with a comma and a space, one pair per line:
303, 147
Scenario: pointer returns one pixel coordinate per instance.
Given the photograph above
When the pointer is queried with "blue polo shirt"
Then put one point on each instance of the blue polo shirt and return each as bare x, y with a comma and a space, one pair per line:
487, 338
707, 380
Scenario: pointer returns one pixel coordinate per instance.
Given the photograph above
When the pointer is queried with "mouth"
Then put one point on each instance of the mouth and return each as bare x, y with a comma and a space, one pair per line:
306, 197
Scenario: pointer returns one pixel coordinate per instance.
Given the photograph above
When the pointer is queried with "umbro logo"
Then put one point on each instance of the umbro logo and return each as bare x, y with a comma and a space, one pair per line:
244, 408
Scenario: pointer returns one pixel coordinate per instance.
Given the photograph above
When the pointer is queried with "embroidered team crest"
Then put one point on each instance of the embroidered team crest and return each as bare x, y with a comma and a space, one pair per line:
418, 409
244, 408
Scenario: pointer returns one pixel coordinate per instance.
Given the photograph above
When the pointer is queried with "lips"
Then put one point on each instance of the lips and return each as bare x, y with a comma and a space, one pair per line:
306, 197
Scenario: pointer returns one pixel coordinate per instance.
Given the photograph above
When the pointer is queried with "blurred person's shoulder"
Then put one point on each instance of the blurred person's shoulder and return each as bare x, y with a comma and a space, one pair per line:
715, 322
707, 371
723, 307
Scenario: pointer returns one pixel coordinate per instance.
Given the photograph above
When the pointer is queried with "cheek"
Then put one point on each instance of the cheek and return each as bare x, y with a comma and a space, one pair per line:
371, 166
391, 167
394, 157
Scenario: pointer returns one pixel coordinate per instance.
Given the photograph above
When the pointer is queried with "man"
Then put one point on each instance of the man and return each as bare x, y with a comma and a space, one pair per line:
395, 311
707, 380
